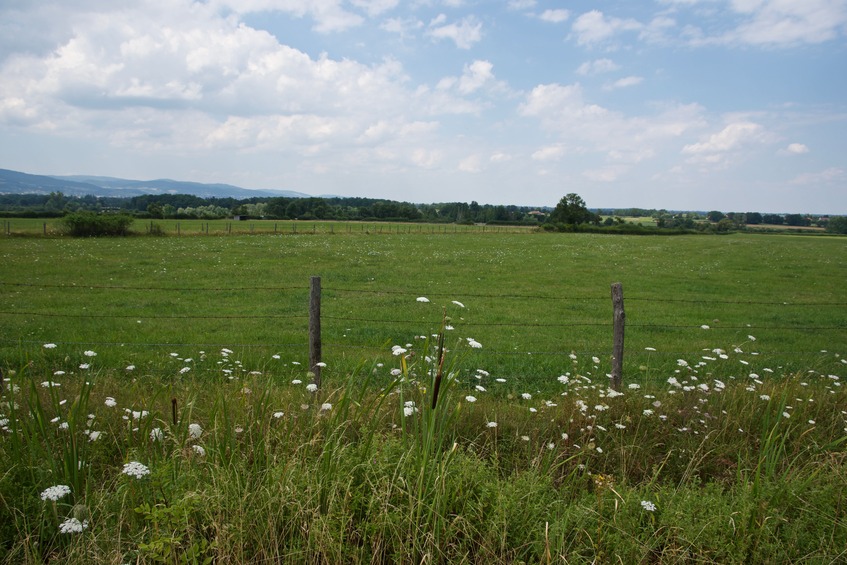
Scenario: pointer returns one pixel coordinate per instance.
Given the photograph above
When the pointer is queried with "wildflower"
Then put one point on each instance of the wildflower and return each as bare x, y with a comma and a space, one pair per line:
84, 365
296, 382
524, 438
704, 327
633, 386
397, 350
550, 446
648, 506
448, 327
459, 304
326, 406
474, 343
49, 346
94, 435
135, 469
396, 372
311, 387
156, 434
647, 412
483, 372
409, 408
275, 357
492, 424
73, 526
279, 414
90, 353
195, 431
480, 388
812, 422
110, 402
682, 362
786, 415
500, 380
184, 370
321, 364
564, 379
58, 373
198, 449
751, 338
649, 349
470, 398
422, 299
130, 367
764, 397
54, 493
595, 360
526, 396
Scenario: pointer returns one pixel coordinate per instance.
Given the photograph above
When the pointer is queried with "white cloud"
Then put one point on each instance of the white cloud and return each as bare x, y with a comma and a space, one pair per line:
624, 83
828, 176
521, 4
727, 139
609, 174
597, 67
554, 16
402, 26
796, 149
549, 153
475, 76
471, 164
464, 33
328, 15
590, 128
594, 27
375, 7
785, 22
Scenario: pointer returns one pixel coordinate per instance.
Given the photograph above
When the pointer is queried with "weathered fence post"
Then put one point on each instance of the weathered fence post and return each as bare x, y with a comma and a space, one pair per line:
617, 346
315, 329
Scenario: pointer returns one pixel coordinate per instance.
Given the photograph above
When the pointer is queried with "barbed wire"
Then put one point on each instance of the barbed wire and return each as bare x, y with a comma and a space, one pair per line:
424, 293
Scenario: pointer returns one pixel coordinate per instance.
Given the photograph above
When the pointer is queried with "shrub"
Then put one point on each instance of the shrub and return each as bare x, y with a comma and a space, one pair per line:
91, 224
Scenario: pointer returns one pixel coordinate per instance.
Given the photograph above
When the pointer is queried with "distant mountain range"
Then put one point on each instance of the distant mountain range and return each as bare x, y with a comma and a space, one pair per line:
14, 182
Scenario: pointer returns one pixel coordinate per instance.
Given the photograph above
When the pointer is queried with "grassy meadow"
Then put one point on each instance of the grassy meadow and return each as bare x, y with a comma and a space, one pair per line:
156, 409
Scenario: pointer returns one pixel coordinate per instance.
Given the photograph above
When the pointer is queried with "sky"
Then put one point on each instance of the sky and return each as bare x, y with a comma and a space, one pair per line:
730, 105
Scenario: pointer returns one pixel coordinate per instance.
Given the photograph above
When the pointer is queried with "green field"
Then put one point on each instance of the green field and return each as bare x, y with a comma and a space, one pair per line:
185, 358
530, 298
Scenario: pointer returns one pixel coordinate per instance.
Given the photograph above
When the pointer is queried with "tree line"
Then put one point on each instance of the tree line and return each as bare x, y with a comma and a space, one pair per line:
571, 211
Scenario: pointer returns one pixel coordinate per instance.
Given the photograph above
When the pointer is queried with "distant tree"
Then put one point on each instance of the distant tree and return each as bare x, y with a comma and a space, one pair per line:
797, 220
753, 218
155, 210
773, 219
715, 216
571, 209
837, 224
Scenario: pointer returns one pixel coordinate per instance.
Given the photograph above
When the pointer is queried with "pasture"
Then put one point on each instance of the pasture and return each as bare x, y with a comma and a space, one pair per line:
162, 383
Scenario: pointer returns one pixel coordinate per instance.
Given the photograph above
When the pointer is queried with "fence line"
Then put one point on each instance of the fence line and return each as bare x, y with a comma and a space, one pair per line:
424, 293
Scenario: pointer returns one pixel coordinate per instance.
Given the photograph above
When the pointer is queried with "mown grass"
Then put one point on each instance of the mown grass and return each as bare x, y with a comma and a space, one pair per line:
530, 298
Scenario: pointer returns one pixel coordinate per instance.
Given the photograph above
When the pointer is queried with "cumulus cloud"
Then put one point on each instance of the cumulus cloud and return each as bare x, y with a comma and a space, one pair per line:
624, 83
549, 153
554, 16
796, 149
595, 27
328, 15
464, 33
784, 22
564, 112
827, 176
727, 139
521, 4
596, 67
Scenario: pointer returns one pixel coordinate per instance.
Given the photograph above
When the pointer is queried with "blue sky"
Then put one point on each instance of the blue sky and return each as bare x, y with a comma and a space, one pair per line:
734, 105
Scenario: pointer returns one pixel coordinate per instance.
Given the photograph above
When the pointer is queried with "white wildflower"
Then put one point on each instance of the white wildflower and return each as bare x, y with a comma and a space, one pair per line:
54, 493
135, 469
110, 402
156, 434
326, 406
194, 431
312, 387
648, 506
90, 353
73, 526
422, 299
470, 398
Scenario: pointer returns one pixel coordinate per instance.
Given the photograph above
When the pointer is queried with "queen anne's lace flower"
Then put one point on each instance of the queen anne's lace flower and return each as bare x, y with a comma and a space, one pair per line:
135, 469
54, 493
73, 526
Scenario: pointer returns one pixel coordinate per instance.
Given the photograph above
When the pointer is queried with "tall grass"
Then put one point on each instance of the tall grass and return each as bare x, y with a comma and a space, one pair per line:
703, 466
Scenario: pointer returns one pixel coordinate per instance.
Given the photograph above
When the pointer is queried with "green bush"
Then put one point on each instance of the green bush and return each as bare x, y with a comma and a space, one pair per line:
90, 224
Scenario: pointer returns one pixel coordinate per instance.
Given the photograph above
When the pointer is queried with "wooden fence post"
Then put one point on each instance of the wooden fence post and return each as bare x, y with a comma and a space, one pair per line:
617, 345
315, 329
